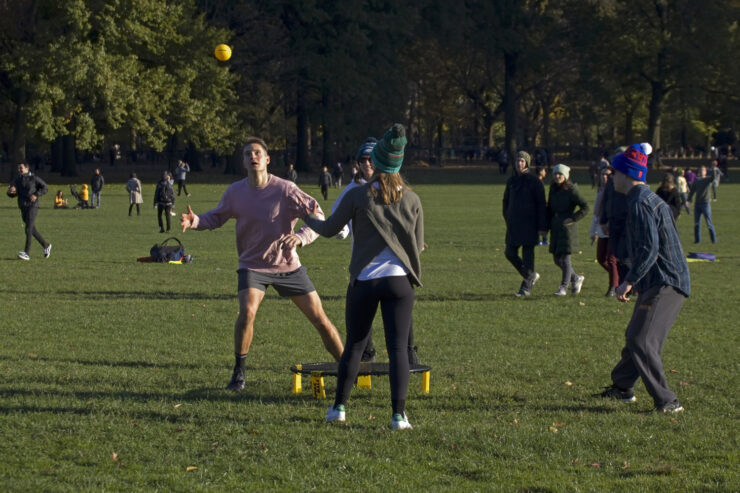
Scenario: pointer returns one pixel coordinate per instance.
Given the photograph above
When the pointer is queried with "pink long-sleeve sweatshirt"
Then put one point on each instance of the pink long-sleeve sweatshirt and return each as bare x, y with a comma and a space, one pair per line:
264, 216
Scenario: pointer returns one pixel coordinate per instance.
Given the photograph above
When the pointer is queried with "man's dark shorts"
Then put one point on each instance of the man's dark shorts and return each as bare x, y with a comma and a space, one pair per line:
296, 283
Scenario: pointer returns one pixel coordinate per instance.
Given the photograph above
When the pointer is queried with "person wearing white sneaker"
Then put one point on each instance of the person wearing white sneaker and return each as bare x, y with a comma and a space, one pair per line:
28, 187
336, 413
400, 422
388, 230
524, 210
565, 206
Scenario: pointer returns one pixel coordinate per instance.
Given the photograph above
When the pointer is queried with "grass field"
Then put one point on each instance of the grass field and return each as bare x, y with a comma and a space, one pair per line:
112, 371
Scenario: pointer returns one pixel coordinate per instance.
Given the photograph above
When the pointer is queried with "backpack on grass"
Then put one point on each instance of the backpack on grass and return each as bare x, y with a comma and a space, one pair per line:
162, 252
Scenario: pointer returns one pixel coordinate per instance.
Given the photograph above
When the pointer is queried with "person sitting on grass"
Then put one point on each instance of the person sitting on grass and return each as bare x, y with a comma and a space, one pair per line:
59, 201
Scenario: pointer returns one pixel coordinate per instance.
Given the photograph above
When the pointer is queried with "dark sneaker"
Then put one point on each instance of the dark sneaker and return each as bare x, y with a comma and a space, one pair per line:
522, 293
670, 408
611, 293
619, 394
237, 380
413, 357
368, 355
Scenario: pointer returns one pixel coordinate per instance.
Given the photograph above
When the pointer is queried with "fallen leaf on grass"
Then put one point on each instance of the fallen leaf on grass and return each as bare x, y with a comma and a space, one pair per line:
582, 303
626, 465
595, 464
191, 468
114, 457
514, 423
674, 421
685, 383
673, 370
177, 405
552, 429
33, 355
559, 425
568, 383
371, 417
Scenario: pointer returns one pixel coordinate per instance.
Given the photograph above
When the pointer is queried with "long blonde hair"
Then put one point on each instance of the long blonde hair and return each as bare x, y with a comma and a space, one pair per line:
390, 189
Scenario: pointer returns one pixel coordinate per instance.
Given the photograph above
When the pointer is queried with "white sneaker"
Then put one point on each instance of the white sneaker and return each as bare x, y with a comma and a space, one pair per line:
577, 284
562, 291
400, 422
335, 413
47, 251
23, 256
536, 278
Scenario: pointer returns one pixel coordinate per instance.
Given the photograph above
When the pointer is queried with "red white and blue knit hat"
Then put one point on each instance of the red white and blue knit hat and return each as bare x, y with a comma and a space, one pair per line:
633, 161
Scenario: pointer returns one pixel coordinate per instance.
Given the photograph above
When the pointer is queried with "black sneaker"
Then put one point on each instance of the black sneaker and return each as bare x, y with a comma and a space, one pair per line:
611, 293
413, 357
613, 392
237, 380
368, 355
670, 408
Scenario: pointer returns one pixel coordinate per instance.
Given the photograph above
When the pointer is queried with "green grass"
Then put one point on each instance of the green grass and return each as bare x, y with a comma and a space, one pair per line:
112, 371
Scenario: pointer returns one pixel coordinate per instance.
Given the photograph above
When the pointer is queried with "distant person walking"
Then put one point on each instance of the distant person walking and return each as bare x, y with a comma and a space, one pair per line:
325, 182
28, 188
291, 174
565, 206
181, 173
133, 187
702, 205
604, 256
96, 186
525, 213
164, 199
659, 273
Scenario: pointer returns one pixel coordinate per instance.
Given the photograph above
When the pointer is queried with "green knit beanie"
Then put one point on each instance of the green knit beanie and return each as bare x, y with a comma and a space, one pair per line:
387, 155
524, 155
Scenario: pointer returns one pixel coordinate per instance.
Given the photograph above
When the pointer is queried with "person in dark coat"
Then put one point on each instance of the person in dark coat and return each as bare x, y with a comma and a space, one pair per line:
525, 215
96, 185
324, 182
669, 193
164, 199
612, 221
28, 188
565, 206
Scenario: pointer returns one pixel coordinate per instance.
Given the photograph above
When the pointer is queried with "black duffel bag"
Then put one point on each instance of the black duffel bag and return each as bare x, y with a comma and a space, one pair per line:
162, 252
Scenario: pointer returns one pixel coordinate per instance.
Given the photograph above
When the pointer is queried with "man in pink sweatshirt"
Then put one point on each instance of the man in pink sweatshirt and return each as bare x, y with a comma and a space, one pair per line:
266, 209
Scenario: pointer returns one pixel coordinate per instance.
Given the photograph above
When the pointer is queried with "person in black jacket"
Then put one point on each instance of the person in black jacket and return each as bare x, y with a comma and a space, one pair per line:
525, 213
96, 184
28, 188
164, 199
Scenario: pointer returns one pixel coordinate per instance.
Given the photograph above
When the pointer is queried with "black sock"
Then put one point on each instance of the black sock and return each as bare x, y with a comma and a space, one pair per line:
399, 406
240, 361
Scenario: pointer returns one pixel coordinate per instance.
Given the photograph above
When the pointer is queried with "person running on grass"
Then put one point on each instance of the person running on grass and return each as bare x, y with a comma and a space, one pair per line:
28, 188
388, 227
266, 209
660, 274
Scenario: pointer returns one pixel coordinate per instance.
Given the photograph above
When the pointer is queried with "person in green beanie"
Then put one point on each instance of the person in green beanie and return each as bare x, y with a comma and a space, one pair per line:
388, 229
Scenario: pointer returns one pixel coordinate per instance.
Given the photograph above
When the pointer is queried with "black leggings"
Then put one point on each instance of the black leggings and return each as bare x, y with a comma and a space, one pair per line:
29, 218
181, 187
396, 298
130, 207
166, 209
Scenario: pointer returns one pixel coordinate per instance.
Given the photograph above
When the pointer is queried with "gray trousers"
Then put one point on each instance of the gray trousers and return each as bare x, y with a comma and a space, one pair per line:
654, 314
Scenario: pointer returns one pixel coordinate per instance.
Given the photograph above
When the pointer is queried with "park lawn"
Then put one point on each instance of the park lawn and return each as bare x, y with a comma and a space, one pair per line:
112, 371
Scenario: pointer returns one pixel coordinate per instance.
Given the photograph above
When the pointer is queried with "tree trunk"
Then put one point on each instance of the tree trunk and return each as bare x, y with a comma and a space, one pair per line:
18, 152
328, 154
656, 107
301, 158
69, 162
628, 135
510, 62
234, 162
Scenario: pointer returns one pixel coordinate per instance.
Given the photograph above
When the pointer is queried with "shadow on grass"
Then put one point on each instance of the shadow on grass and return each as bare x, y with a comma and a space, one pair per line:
112, 363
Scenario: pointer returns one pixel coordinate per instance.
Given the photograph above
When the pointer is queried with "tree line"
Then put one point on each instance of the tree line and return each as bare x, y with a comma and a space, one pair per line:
316, 77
